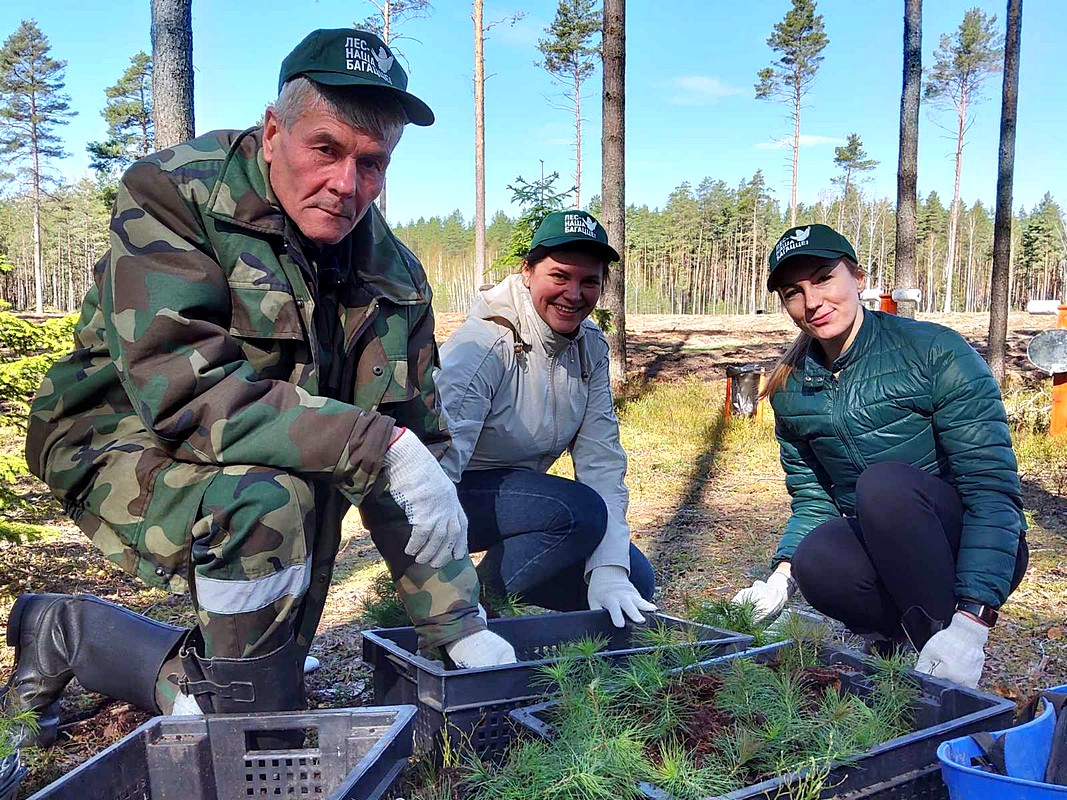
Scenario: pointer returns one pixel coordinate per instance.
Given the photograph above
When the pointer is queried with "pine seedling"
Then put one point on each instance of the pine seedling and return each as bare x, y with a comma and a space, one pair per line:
680, 778
15, 725
382, 605
740, 748
748, 688
720, 612
805, 637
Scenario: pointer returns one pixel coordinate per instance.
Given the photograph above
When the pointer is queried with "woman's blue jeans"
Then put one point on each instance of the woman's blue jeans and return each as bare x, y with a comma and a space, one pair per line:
537, 531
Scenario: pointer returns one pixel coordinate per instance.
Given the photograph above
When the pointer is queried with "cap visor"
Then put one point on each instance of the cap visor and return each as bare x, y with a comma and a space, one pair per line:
418, 112
772, 283
581, 243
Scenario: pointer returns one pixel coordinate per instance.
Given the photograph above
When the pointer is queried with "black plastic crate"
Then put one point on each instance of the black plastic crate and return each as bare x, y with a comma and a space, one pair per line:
349, 754
905, 768
474, 703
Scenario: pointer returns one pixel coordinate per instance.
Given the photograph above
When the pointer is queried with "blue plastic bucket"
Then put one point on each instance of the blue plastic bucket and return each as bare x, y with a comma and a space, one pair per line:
1027, 749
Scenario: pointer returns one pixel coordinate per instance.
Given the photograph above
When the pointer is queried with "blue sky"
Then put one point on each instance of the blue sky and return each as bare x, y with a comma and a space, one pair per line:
691, 110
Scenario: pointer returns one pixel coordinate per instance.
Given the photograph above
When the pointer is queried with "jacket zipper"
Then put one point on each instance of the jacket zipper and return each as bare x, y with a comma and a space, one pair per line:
837, 420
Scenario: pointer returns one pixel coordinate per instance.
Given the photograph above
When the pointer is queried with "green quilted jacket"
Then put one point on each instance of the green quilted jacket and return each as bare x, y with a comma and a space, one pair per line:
910, 392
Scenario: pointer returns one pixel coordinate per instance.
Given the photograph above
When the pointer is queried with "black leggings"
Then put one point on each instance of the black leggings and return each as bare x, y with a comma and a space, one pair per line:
895, 561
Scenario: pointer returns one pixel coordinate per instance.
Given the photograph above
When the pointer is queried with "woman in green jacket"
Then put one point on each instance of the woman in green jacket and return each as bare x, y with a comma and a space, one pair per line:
906, 507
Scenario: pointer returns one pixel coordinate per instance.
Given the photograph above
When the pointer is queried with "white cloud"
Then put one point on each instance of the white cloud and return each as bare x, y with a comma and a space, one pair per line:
698, 90
806, 140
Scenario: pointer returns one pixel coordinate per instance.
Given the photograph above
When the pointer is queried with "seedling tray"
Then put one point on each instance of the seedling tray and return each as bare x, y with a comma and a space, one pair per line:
349, 754
471, 706
905, 768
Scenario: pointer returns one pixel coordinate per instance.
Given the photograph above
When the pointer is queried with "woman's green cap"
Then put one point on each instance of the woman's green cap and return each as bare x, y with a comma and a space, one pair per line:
576, 228
350, 57
821, 241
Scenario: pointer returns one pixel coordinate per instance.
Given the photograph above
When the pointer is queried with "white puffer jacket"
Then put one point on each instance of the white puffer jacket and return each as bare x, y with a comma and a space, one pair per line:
522, 410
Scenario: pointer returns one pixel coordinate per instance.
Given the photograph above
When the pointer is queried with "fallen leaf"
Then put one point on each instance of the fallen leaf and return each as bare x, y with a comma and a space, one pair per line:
1055, 633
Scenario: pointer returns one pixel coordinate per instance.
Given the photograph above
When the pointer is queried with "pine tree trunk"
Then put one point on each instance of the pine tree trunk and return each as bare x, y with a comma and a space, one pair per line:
796, 159
954, 216
577, 142
387, 17
904, 272
481, 275
613, 183
172, 71
38, 256
998, 312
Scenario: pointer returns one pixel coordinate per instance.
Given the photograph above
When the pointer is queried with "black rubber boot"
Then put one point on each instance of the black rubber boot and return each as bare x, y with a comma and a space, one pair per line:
272, 682
109, 649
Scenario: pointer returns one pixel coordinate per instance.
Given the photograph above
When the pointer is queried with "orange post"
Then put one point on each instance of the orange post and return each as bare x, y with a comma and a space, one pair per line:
1058, 423
887, 303
729, 397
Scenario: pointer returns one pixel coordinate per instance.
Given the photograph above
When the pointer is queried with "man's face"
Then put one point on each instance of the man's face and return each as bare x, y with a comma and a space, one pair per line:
325, 172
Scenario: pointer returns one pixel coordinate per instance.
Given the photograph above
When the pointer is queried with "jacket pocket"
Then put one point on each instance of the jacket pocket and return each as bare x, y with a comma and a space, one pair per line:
269, 330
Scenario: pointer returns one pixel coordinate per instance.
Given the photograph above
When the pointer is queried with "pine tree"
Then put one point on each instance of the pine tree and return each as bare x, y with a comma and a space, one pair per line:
962, 62
613, 178
1000, 276
568, 56
390, 14
32, 104
128, 111
904, 272
800, 39
851, 159
172, 71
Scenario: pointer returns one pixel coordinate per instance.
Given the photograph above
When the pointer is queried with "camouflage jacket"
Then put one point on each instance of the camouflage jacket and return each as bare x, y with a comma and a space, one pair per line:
201, 338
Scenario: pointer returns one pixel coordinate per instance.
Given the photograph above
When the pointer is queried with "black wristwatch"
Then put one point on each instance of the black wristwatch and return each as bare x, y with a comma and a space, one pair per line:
986, 614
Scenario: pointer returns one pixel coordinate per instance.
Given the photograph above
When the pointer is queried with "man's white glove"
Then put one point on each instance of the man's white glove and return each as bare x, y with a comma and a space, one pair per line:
956, 653
611, 590
420, 487
767, 597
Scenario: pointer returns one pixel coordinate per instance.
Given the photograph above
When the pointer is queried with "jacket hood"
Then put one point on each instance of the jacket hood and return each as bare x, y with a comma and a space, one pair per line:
511, 300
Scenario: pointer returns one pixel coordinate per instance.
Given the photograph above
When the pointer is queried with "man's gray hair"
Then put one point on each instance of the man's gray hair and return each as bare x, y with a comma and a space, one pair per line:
366, 110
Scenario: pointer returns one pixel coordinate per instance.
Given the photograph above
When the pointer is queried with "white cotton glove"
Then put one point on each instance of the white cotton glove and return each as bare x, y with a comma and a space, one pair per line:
481, 649
611, 590
956, 653
769, 596
420, 487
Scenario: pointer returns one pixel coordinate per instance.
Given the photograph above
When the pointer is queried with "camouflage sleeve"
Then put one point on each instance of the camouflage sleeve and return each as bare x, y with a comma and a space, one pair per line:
166, 307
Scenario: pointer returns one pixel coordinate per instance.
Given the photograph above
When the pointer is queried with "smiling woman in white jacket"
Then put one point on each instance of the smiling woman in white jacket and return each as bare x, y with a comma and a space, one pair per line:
524, 378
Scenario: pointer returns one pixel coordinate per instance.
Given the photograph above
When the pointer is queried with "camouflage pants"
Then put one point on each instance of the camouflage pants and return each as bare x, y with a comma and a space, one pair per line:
258, 547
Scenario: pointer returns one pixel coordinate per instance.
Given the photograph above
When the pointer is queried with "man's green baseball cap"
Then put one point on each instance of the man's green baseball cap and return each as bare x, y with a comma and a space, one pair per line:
576, 228
821, 241
350, 57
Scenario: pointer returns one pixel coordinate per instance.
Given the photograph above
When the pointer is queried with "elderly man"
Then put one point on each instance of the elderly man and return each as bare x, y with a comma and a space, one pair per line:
256, 356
